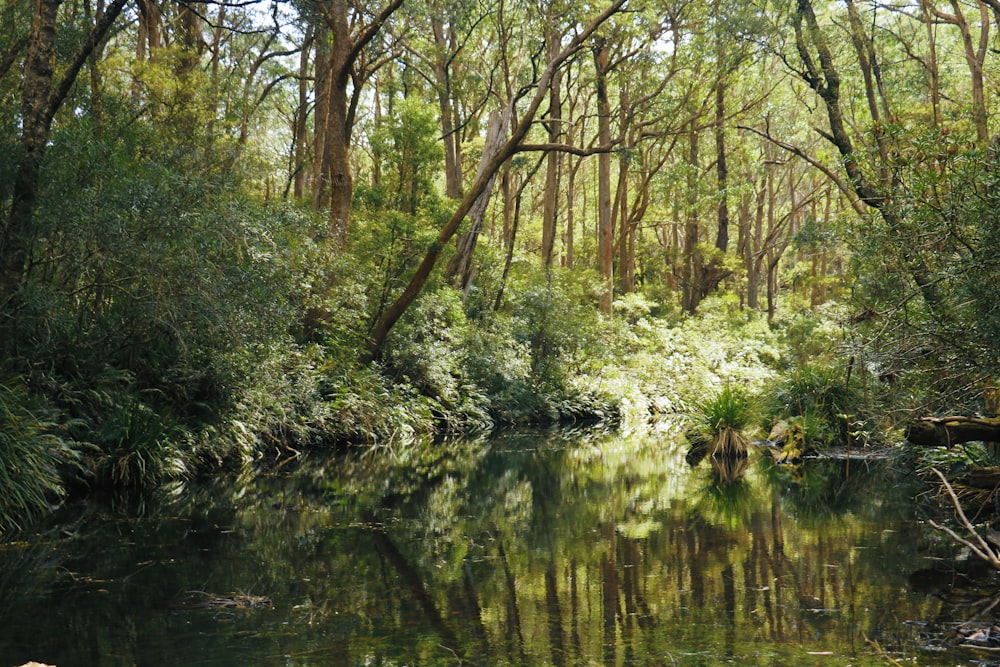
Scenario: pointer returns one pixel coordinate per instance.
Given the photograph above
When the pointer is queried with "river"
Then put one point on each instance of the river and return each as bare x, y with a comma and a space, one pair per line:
533, 548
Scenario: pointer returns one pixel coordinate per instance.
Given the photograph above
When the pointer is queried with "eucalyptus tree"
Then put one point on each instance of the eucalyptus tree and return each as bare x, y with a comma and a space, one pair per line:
650, 105
721, 54
975, 46
634, 63
914, 160
452, 59
539, 84
554, 15
347, 54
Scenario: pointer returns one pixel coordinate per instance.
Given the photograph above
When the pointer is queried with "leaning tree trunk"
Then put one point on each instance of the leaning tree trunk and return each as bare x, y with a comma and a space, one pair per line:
460, 266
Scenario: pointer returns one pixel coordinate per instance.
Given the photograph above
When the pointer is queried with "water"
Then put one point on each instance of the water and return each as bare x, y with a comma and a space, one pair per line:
529, 549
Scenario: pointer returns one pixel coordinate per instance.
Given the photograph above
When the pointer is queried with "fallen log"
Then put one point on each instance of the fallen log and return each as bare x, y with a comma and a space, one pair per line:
948, 431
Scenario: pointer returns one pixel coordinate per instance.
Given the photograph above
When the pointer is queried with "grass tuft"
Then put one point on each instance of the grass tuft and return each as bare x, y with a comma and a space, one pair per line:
722, 419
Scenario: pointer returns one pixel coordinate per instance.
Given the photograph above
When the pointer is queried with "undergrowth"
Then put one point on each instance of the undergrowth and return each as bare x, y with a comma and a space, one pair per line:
453, 365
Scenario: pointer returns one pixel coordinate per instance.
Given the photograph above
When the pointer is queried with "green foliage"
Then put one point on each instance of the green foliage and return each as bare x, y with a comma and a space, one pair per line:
384, 250
813, 335
818, 399
555, 317
720, 421
34, 450
139, 448
940, 342
425, 352
159, 298
731, 408
405, 145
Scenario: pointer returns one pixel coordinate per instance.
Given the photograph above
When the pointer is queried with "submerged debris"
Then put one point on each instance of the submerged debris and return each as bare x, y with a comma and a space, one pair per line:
982, 636
204, 600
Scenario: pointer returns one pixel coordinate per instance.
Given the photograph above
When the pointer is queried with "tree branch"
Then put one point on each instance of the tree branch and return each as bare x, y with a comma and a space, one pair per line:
368, 34
836, 178
566, 148
10, 56
97, 33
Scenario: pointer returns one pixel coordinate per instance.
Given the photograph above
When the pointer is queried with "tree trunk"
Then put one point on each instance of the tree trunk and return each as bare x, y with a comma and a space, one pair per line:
605, 234
335, 180
721, 167
550, 212
322, 77
931, 64
300, 139
96, 84
714, 272
38, 72
569, 242
452, 146
515, 218
620, 221
460, 267
337, 161
692, 257
755, 254
975, 57
620, 215
824, 79
42, 97
868, 63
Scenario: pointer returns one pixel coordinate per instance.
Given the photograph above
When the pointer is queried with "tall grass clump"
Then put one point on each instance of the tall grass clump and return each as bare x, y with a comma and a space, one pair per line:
32, 455
139, 447
722, 420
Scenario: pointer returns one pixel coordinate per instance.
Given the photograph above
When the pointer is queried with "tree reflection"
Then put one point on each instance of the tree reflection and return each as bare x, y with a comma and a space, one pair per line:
536, 549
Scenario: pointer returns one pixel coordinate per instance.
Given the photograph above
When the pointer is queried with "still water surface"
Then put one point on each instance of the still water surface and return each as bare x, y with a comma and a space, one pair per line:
527, 549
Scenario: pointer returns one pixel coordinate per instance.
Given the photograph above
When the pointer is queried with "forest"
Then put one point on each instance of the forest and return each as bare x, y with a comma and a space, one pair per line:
234, 230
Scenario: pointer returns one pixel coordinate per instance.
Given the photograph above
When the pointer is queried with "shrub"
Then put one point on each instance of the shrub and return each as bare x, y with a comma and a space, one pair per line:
139, 448
820, 397
32, 453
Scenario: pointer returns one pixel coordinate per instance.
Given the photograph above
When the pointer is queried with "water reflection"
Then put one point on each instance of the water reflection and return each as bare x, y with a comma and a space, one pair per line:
530, 549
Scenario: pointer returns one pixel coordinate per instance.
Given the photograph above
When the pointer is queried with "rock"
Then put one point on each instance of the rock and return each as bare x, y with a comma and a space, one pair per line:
779, 433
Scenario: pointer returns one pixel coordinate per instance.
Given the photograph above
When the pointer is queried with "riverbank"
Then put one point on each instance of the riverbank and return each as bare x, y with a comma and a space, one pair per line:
445, 373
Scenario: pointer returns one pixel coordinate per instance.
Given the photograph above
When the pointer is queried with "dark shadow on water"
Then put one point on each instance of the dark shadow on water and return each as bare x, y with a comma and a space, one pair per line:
547, 547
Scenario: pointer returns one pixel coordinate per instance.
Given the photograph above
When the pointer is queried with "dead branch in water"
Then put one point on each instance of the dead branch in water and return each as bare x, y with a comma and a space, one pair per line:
978, 545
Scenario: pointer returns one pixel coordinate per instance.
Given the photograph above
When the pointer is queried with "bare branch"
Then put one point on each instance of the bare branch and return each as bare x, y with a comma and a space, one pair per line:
566, 148
835, 177
980, 548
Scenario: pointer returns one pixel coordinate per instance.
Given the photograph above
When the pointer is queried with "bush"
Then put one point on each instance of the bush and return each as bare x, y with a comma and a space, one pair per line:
139, 448
818, 396
33, 451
